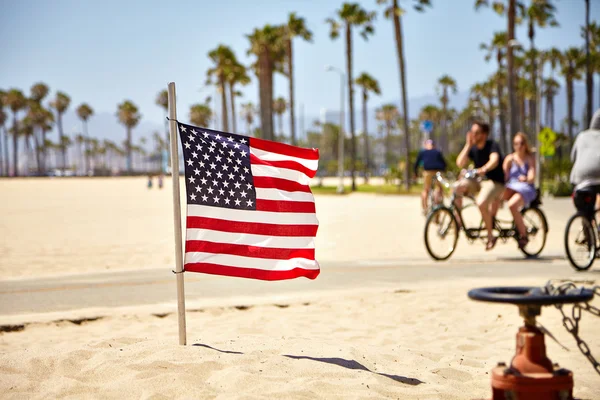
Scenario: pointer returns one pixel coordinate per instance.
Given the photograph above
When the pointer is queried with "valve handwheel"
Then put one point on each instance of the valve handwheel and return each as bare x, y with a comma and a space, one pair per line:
531, 374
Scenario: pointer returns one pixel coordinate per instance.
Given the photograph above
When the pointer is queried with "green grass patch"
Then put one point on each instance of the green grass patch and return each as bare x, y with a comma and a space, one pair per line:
377, 189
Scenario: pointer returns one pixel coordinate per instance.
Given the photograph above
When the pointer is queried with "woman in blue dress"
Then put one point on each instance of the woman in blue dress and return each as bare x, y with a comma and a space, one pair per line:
519, 172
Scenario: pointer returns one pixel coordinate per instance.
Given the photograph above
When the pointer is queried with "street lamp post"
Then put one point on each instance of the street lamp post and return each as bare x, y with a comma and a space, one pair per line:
340, 188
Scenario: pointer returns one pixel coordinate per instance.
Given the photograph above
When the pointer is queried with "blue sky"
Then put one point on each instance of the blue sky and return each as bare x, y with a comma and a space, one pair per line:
102, 52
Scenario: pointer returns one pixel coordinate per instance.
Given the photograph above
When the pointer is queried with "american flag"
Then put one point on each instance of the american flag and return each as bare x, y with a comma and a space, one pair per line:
250, 211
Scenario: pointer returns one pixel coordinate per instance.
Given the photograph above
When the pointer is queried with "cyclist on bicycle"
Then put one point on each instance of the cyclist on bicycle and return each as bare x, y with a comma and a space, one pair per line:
519, 170
487, 157
433, 162
585, 156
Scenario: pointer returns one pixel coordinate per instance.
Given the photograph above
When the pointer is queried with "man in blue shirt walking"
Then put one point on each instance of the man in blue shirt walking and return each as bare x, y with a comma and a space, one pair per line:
433, 162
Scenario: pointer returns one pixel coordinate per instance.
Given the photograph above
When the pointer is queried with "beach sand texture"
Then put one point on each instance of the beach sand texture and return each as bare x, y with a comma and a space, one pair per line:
416, 341
58, 226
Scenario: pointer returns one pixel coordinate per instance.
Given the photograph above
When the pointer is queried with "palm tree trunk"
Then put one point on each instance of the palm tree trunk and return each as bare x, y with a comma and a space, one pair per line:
351, 103
367, 163
388, 143
280, 120
224, 119
522, 112
265, 75
291, 90
128, 149
6, 159
589, 79
233, 116
86, 145
60, 139
533, 103
512, 94
502, 116
444, 144
38, 150
547, 113
400, 54
552, 114
570, 108
15, 136
2, 169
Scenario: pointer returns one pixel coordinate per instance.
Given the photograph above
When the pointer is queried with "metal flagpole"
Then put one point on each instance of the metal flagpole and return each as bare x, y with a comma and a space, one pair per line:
177, 214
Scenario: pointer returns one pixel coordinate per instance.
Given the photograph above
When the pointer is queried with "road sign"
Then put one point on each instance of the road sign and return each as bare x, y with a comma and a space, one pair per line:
547, 136
427, 126
547, 150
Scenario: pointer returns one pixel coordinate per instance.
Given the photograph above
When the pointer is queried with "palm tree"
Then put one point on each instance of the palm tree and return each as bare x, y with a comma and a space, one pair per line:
589, 79
295, 27
60, 103
16, 101
487, 92
395, 12
80, 142
594, 32
162, 100
200, 115
267, 45
445, 83
352, 15
42, 119
540, 13
128, 115
497, 48
368, 84
549, 91
279, 108
248, 113
388, 114
571, 65
26, 131
237, 75
514, 11
3, 143
224, 59
65, 143
84, 112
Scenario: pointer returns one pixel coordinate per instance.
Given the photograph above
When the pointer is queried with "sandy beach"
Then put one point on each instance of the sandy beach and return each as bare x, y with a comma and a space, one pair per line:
422, 340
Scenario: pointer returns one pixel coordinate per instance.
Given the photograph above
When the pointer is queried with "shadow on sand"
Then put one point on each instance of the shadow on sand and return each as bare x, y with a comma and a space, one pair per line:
352, 364
220, 351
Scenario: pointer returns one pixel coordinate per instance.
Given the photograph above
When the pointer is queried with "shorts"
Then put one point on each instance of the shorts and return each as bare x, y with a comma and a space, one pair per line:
490, 191
428, 178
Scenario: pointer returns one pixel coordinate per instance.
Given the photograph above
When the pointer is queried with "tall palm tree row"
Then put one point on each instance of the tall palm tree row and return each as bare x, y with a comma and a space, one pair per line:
368, 84
280, 106
571, 67
16, 101
84, 112
394, 12
162, 100
61, 103
295, 27
267, 45
248, 114
351, 15
514, 11
446, 84
129, 116
539, 13
200, 114
389, 115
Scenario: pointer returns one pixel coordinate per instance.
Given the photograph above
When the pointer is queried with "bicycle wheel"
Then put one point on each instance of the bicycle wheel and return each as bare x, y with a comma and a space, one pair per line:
537, 231
441, 233
580, 242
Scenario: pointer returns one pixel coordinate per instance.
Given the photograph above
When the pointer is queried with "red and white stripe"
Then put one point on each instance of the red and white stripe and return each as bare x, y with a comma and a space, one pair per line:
274, 242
